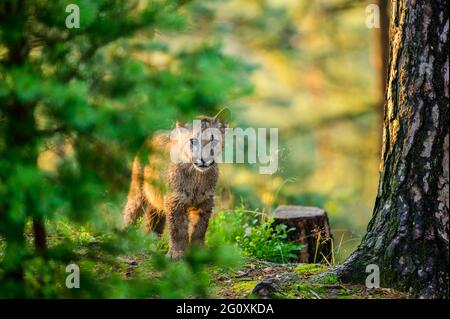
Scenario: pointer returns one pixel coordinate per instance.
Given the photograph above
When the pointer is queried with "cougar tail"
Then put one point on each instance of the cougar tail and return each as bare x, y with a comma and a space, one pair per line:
135, 206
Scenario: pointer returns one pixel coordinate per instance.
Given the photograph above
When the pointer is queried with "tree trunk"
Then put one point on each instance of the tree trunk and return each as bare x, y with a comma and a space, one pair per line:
408, 234
40, 235
312, 230
382, 50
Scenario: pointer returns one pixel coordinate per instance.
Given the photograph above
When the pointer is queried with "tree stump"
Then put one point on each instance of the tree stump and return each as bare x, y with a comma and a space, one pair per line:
312, 230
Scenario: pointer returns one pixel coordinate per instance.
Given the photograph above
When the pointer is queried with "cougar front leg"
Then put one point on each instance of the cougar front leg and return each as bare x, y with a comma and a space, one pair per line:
199, 228
177, 220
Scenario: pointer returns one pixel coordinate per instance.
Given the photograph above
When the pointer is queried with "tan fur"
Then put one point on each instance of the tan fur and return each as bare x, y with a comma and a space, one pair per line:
181, 193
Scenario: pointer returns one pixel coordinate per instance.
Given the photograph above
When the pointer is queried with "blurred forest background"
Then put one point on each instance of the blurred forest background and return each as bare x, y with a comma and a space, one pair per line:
76, 104
318, 77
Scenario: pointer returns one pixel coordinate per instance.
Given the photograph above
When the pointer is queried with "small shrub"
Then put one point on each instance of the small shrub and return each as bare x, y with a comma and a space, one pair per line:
254, 234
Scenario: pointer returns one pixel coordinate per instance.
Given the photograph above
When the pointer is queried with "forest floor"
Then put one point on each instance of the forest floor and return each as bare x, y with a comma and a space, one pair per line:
291, 281
285, 281
252, 279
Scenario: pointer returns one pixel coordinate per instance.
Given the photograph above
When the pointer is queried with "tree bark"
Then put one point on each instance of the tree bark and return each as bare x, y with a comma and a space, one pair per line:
40, 235
382, 49
407, 236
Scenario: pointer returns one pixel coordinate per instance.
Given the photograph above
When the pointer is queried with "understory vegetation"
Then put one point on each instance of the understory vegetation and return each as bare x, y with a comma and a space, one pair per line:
132, 264
243, 248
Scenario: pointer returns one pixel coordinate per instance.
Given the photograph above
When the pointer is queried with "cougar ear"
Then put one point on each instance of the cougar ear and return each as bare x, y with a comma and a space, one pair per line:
223, 116
179, 132
178, 124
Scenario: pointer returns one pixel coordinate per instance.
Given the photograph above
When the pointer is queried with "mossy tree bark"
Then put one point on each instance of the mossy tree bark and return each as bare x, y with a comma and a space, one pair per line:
407, 236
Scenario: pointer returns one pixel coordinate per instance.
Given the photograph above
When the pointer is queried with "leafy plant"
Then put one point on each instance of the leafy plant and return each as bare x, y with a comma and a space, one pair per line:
255, 234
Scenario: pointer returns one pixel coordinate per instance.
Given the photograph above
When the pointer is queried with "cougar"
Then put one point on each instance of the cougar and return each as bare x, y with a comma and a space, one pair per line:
173, 179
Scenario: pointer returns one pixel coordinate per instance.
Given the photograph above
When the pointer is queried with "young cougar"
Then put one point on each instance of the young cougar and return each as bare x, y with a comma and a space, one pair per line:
174, 177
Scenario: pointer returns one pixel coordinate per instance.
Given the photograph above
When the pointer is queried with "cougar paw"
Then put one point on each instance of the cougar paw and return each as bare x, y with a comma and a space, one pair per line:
175, 254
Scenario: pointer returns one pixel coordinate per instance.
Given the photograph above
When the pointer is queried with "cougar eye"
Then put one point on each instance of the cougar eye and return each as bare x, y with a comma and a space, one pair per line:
194, 142
214, 142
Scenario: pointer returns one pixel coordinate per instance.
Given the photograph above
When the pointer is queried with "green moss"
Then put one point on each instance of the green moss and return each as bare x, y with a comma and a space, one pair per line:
244, 287
344, 294
310, 290
284, 296
329, 280
290, 291
310, 269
